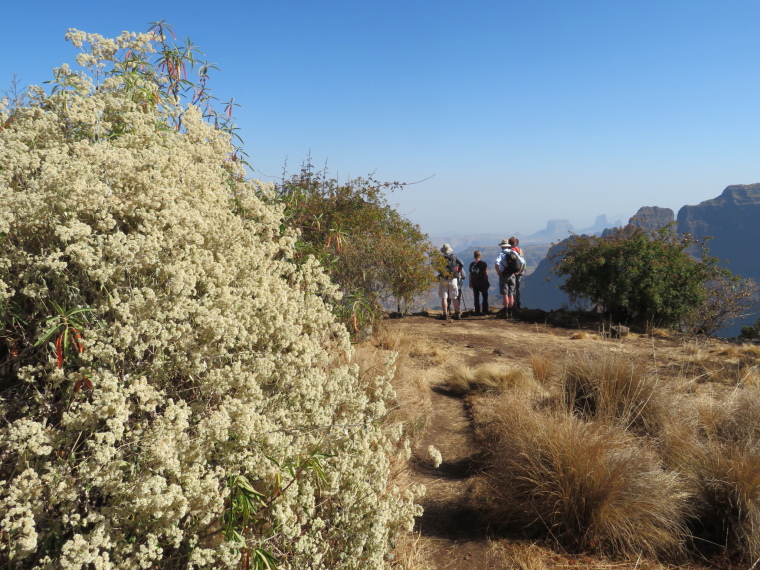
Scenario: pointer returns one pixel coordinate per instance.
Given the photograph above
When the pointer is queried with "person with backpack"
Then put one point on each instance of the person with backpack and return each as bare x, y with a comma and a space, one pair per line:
449, 284
479, 282
515, 245
509, 264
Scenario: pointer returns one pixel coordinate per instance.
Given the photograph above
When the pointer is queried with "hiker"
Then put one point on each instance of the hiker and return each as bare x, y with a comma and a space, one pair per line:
449, 284
461, 276
515, 244
479, 282
509, 263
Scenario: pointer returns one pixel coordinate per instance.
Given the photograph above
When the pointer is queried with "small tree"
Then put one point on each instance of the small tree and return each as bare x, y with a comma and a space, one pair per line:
728, 298
643, 279
368, 248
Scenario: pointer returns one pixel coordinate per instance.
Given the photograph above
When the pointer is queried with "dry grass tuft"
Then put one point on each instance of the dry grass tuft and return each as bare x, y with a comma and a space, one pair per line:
660, 333
718, 456
462, 379
544, 366
617, 387
517, 555
749, 352
720, 369
586, 485
411, 552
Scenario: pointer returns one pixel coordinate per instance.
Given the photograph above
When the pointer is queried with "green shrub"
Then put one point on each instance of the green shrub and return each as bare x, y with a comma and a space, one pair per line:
752, 332
634, 277
174, 389
365, 245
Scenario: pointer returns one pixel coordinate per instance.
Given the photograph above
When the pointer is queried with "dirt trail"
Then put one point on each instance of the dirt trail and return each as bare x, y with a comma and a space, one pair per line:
448, 522
454, 534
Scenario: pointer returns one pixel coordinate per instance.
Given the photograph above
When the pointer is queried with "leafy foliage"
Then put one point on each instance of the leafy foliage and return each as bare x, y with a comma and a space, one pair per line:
751, 332
366, 246
634, 277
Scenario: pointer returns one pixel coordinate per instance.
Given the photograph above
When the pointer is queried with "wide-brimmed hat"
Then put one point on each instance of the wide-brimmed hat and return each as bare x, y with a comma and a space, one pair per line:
446, 249
504, 243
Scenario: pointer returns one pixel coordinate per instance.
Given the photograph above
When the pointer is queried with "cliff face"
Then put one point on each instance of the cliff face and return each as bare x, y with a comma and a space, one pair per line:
540, 289
652, 218
733, 221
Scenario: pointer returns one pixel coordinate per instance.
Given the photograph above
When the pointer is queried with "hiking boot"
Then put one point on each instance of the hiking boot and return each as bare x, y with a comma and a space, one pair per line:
457, 316
444, 317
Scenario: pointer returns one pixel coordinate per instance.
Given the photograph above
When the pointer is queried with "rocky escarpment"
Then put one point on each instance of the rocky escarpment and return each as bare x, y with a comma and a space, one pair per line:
652, 218
731, 220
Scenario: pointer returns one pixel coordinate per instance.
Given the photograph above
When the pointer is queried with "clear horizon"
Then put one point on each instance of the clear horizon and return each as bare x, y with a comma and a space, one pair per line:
510, 113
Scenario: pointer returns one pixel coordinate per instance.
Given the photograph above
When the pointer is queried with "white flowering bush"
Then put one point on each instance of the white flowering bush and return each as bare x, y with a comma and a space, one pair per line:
174, 390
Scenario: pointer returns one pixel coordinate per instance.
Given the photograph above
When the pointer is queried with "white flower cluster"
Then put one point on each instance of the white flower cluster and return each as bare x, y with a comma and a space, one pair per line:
435, 456
203, 353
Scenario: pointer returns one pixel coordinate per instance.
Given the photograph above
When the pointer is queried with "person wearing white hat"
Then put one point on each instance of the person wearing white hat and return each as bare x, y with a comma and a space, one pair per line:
448, 287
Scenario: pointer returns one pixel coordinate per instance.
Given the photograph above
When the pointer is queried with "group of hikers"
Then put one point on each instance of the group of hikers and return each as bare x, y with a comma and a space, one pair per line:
509, 266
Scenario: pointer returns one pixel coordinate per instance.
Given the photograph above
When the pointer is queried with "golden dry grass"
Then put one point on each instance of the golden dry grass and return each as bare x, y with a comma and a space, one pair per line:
649, 446
660, 333
461, 379
410, 552
519, 555
544, 365
588, 485
716, 452
616, 387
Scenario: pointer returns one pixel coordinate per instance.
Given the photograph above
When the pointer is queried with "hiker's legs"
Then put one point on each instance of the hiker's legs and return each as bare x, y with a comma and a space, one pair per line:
484, 292
447, 291
504, 289
509, 297
476, 297
518, 278
443, 293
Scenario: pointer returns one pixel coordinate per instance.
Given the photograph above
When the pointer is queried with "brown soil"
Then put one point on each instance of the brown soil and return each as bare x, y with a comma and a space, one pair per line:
451, 532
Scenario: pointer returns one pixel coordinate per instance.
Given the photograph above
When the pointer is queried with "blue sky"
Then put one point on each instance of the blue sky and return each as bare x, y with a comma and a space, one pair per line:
519, 111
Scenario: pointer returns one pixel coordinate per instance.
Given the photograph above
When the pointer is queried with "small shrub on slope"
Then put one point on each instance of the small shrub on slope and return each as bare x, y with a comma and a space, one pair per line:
174, 391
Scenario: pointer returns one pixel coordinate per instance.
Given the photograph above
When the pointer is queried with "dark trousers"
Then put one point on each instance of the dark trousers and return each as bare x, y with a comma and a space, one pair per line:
477, 294
518, 278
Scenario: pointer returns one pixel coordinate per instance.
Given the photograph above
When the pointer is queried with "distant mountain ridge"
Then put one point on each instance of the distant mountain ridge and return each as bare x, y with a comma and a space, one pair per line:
555, 230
